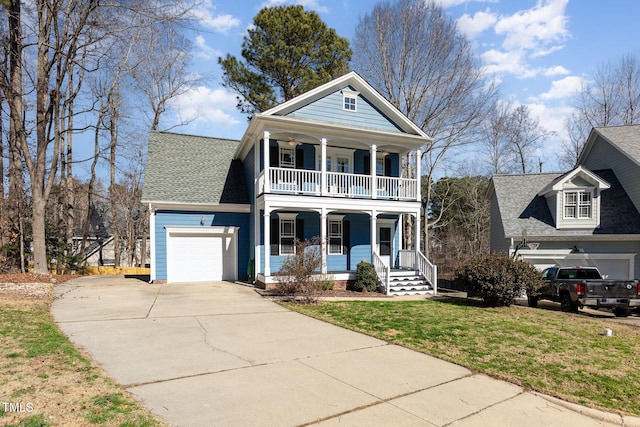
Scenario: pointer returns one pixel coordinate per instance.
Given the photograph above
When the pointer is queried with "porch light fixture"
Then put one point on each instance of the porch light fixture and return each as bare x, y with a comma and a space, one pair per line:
292, 142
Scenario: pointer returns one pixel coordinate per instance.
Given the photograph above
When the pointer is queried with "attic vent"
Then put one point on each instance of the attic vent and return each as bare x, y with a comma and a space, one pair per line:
350, 100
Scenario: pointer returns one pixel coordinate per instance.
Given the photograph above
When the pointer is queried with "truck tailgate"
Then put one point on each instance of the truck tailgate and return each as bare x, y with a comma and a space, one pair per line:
611, 289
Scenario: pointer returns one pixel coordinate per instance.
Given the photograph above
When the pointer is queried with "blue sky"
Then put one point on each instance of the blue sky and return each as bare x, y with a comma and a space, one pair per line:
540, 51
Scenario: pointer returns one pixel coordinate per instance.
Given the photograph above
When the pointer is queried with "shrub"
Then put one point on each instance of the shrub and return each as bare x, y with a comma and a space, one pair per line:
296, 275
497, 279
366, 277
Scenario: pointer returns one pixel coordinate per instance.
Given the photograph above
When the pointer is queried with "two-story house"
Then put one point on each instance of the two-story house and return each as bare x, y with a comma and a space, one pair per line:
326, 164
587, 216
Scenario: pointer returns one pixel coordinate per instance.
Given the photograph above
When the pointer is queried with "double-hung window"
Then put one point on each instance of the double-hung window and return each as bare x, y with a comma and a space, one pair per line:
335, 231
287, 236
577, 205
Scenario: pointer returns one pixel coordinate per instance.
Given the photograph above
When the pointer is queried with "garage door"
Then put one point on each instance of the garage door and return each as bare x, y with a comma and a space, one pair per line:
201, 255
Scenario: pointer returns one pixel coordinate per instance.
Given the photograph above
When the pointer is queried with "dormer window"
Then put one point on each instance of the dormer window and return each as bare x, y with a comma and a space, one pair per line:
349, 100
577, 205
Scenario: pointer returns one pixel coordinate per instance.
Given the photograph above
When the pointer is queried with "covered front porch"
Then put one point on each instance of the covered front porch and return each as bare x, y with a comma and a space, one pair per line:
346, 235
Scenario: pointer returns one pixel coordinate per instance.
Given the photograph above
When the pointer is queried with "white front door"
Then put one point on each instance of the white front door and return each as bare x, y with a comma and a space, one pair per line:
385, 242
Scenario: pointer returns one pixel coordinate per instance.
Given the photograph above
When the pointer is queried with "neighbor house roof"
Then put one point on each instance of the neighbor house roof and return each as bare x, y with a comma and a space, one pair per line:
191, 169
522, 208
624, 138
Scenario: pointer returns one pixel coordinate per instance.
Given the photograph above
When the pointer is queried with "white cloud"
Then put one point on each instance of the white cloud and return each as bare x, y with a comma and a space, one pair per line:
205, 51
535, 28
555, 71
203, 105
563, 88
205, 13
471, 26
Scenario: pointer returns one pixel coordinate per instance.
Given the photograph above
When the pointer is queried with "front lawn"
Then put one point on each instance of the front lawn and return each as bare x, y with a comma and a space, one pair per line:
45, 380
560, 354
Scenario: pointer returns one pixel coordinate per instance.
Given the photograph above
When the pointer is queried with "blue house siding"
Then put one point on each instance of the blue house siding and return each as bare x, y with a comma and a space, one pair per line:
330, 109
249, 164
192, 219
358, 236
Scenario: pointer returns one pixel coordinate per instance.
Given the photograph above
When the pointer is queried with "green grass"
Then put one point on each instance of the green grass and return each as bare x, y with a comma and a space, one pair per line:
556, 353
38, 361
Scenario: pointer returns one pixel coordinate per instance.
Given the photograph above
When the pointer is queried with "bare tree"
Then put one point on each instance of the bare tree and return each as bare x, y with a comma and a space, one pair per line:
525, 137
413, 53
611, 98
495, 143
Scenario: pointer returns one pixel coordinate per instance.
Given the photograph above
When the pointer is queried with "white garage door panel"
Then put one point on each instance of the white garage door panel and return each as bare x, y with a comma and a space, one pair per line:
198, 257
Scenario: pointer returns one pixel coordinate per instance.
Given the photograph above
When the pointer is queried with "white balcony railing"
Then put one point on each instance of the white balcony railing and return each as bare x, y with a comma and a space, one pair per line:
307, 182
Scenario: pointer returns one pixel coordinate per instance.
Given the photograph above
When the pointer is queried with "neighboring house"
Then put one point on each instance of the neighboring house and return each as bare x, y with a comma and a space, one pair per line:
99, 249
325, 164
588, 216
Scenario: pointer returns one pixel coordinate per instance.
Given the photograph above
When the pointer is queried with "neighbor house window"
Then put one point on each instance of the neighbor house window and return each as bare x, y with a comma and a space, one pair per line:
577, 204
287, 236
335, 235
287, 157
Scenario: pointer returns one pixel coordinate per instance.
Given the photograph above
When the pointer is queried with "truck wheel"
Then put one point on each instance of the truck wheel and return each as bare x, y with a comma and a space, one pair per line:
532, 301
621, 312
566, 305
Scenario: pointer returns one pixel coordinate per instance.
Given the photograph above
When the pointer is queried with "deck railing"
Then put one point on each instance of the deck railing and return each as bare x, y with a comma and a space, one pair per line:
308, 182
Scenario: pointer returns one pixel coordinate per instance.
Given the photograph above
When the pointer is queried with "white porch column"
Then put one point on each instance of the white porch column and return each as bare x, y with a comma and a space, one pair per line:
267, 242
416, 233
372, 169
267, 175
257, 262
418, 176
323, 238
152, 242
374, 227
323, 167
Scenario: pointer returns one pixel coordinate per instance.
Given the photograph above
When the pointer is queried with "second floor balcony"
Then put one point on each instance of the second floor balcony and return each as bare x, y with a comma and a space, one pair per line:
336, 184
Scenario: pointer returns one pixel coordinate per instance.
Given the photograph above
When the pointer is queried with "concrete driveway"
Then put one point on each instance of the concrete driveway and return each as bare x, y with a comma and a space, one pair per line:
210, 354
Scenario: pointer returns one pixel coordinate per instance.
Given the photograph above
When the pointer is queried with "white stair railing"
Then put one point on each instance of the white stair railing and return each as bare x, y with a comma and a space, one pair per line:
382, 270
407, 259
429, 270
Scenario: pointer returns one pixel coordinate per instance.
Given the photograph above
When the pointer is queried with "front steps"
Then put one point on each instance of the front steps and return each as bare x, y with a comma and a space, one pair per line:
408, 282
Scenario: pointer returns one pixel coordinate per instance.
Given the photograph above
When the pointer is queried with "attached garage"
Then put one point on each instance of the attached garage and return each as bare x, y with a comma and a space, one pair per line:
619, 266
201, 254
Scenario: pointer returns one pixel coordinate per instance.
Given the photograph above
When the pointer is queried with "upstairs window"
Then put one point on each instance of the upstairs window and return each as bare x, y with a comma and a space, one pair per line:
287, 157
349, 100
577, 205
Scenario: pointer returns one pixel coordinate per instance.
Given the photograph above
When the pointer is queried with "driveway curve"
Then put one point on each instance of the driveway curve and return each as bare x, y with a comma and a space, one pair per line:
208, 354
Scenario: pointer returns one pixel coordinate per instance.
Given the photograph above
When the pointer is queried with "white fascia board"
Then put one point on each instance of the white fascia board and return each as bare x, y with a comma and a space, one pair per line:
189, 229
579, 238
204, 207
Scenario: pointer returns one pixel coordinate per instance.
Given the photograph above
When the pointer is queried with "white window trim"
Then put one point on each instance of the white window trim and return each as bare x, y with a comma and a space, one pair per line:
333, 153
330, 219
577, 205
350, 94
286, 217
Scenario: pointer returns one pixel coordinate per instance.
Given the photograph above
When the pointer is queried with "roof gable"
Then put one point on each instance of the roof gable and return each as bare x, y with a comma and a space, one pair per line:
303, 105
329, 108
578, 177
193, 170
626, 139
523, 207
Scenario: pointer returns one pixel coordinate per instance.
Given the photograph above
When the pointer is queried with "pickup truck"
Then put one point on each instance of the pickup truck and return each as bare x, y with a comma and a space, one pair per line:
577, 287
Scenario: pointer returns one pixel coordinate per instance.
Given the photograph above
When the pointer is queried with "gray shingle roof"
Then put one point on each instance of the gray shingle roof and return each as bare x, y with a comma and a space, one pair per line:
627, 138
193, 169
521, 207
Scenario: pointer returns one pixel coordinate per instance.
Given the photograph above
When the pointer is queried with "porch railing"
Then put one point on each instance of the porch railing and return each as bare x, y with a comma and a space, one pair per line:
407, 259
299, 181
382, 270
